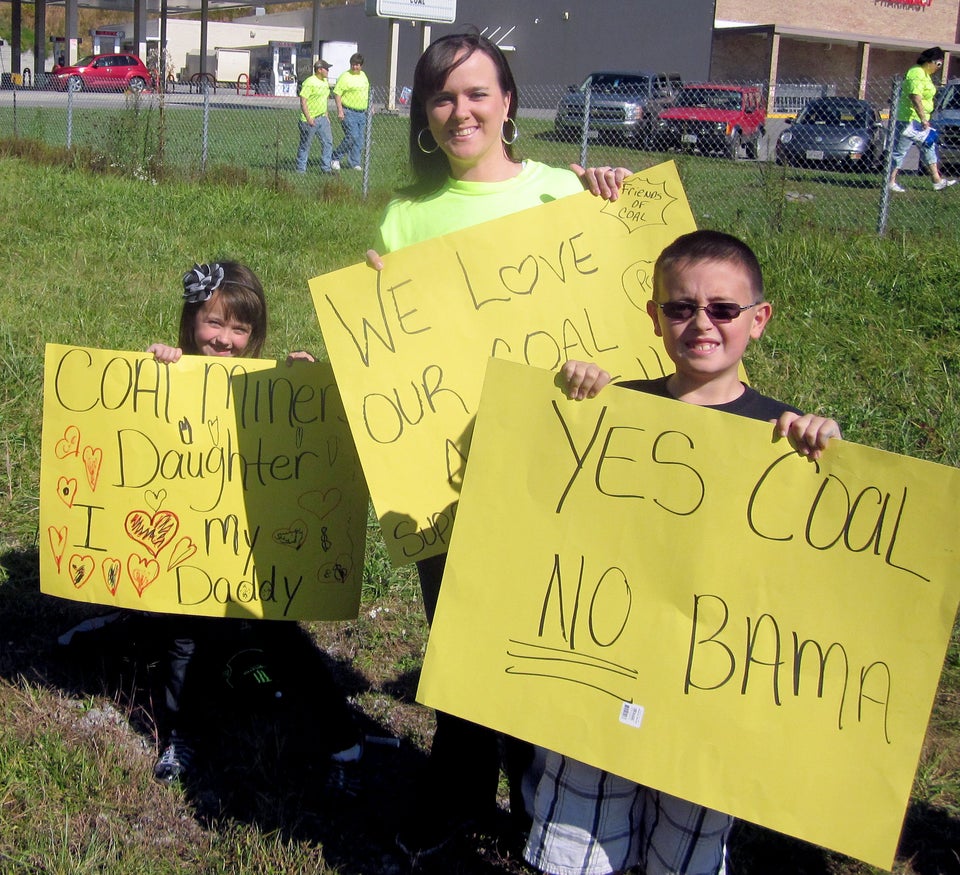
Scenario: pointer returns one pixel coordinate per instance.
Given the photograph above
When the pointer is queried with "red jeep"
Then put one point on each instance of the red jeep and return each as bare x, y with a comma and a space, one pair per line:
714, 118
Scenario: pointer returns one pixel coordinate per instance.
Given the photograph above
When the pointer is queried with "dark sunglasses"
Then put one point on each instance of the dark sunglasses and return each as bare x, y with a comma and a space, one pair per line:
717, 311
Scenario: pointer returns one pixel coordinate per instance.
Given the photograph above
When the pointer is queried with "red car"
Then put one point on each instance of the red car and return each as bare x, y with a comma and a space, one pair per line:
104, 73
708, 117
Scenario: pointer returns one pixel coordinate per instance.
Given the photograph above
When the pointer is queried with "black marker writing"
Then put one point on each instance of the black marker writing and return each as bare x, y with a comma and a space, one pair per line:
866, 520
386, 416
718, 654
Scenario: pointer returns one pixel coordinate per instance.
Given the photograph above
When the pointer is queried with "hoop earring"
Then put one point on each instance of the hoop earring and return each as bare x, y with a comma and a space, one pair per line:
426, 151
516, 132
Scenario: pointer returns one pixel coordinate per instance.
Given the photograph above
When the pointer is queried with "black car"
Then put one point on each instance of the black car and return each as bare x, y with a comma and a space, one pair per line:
833, 133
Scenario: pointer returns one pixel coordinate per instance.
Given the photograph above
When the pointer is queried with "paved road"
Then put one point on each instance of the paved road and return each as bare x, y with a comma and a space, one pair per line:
222, 97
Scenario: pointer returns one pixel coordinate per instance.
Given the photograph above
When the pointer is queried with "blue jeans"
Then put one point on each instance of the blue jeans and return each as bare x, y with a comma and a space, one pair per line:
321, 128
354, 125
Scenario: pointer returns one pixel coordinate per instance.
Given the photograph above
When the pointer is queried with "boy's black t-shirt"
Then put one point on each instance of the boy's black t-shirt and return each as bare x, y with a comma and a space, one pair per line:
751, 403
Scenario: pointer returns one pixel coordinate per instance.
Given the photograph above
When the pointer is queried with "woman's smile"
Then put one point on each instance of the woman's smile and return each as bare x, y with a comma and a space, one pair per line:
466, 118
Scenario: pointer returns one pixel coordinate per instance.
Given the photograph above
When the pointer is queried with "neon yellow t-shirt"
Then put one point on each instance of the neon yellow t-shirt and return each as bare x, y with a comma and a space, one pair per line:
316, 92
354, 90
917, 81
458, 204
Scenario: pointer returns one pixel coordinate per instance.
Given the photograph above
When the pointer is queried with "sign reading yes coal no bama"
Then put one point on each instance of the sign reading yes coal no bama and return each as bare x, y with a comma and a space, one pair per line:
668, 593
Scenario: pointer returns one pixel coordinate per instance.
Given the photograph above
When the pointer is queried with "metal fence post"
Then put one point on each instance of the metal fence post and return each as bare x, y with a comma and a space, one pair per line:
206, 128
890, 141
367, 145
585, 133
69, 116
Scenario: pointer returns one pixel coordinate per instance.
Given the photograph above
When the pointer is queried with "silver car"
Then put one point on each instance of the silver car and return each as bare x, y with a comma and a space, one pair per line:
623, 106
834, 133
946, 119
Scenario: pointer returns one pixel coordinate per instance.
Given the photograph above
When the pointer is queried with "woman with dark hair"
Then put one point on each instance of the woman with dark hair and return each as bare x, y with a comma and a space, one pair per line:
913, 119
463, 130
432, 164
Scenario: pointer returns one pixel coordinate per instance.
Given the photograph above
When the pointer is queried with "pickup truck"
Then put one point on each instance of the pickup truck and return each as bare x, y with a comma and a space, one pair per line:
623, 106
713, 118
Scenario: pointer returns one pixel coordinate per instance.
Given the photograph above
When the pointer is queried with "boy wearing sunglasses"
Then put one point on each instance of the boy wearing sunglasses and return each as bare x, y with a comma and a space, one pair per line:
708, 304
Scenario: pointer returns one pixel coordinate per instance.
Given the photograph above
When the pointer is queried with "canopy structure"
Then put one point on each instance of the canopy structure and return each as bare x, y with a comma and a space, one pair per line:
140, 10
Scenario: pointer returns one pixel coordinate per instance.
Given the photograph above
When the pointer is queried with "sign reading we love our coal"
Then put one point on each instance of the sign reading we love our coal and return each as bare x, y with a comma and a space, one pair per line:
568, 279
217, 487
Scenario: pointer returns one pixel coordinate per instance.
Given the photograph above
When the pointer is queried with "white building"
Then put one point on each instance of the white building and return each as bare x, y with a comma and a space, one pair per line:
183, 39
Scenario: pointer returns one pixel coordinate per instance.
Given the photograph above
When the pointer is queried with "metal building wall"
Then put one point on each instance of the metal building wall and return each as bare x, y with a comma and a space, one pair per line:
553, 41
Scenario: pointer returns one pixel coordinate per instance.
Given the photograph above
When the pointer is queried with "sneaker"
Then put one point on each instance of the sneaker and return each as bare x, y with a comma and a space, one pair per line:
348, 755
895, 186
357, 167
334, 165
174, 762
944, 183
91, 624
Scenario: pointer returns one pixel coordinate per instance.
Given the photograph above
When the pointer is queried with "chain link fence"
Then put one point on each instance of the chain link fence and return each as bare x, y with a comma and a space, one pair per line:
820, 159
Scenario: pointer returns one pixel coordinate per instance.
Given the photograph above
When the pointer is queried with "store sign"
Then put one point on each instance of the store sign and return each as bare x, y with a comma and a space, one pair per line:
415, 10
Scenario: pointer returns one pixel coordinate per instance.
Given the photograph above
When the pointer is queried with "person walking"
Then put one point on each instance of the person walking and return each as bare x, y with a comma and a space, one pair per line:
913, 119
352, 94
314, 121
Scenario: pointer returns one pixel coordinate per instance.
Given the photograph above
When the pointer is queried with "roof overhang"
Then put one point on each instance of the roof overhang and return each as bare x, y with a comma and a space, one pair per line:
835, 37
174, 7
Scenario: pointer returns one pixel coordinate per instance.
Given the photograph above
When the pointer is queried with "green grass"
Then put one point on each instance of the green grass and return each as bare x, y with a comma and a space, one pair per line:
865, 329
135, 136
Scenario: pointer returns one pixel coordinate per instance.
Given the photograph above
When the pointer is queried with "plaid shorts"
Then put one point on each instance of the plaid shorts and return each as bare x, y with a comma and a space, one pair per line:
589, 822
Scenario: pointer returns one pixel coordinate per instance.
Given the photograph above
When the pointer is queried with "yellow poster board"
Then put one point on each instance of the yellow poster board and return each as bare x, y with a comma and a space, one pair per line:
217, 487
666, 592
409, 344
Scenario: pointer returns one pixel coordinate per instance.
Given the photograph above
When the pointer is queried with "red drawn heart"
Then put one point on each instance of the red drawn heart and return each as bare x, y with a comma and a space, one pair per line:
181, 552
81, 568
321, 502
291, 536
69, 444
111, 569
152, 531
337, 571
92, 460
142, 572
58, 542
67, 490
